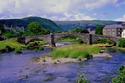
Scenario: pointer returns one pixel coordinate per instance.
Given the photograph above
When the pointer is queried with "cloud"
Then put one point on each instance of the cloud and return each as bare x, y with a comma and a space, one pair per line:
72, 16
121, 18
93, 4
62, 9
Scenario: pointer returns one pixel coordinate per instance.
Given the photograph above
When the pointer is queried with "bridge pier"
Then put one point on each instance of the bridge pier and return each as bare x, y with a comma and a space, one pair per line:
89, 42
52, 40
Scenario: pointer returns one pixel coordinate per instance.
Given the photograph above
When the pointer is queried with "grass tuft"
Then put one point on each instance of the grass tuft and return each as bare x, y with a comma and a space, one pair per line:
76, 51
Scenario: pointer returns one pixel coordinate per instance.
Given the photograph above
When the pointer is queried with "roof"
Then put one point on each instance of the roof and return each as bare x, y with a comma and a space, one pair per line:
114, 26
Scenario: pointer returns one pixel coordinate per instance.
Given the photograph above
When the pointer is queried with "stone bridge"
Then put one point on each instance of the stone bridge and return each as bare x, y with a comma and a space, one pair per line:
86, 38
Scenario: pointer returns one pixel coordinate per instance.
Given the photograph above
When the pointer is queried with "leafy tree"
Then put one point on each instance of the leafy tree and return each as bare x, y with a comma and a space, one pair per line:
121, 42
80, 30
99, 30
34, 28
2, 30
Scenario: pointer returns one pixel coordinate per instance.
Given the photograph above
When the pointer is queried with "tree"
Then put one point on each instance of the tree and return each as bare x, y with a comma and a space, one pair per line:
2, 30
80, 30
121, 42
35, 28
99, 30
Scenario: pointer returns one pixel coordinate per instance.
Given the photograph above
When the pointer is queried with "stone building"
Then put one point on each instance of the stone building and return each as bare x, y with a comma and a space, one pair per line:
114, 30
123, 34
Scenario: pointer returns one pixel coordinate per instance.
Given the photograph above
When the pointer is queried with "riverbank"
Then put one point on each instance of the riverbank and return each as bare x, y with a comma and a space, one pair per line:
74, 53
50, 60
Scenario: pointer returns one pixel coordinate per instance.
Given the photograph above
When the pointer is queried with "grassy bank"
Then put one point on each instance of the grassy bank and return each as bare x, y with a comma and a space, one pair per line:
11, 43
76, 51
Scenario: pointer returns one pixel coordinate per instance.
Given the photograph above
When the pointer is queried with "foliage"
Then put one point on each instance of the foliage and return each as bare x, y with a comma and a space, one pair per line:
36, 29
80, 30
82, 79
2, 30
106, 41
121, 42
9, 34
121, 77
36, 45
75, 51
99, 30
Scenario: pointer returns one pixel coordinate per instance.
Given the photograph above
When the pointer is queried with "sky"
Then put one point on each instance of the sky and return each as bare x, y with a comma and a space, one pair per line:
64, 9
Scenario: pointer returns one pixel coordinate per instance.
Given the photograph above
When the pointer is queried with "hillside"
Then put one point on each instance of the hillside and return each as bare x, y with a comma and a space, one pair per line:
68, 25
46, 23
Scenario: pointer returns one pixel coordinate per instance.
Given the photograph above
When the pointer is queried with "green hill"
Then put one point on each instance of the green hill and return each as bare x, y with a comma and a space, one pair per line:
18, 23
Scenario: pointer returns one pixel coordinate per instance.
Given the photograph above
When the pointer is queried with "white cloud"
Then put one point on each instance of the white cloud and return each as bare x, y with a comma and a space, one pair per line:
72, 16
92, 4
50, 8
121, 18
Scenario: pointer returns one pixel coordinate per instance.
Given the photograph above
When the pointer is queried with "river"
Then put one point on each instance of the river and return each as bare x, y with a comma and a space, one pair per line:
20, 68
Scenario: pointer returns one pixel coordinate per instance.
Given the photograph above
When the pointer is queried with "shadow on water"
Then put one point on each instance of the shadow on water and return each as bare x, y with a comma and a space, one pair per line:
20, 69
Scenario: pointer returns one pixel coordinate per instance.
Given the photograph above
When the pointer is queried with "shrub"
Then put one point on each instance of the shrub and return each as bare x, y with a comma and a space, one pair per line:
80, 30
106, 41
9, 34
35, 46
121, 77
82, 79
7, 49
18, 51
121, 43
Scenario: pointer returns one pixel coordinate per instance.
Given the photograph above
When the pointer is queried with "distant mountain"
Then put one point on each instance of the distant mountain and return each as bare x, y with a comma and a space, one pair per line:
46, 23
68, 25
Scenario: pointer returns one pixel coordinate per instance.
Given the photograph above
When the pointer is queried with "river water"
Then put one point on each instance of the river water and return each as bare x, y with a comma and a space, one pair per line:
19, 68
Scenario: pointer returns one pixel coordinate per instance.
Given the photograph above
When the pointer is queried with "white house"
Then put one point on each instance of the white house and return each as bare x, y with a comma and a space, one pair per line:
123, 34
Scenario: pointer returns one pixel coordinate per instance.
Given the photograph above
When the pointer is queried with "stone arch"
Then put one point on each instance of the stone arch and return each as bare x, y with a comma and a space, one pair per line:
61, 37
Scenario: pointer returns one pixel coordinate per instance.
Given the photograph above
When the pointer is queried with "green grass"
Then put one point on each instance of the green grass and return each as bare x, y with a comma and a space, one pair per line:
11, 43
75, 51
18, 47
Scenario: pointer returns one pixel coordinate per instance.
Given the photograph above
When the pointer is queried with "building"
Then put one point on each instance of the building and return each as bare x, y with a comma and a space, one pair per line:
114, 30
123, 34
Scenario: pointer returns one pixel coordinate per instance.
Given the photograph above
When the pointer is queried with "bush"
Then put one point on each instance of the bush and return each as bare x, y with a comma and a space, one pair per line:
106, 41
82, 79
121, 77
18, 51
7, 49
9, 34
80, 30
121, 43
35, 46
